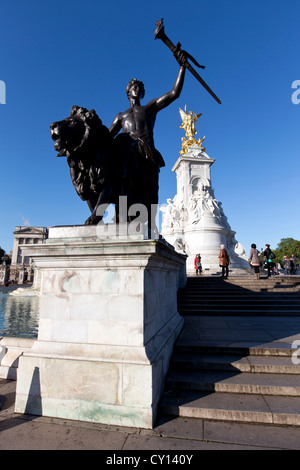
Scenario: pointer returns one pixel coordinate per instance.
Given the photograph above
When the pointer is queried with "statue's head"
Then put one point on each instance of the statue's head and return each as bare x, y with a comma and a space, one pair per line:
71, 133
137, 84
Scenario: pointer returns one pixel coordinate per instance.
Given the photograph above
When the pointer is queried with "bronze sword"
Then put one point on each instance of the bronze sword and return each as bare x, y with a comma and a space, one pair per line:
160, 34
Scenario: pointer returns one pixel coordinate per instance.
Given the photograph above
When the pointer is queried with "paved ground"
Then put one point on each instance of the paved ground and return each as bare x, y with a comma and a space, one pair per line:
184, 436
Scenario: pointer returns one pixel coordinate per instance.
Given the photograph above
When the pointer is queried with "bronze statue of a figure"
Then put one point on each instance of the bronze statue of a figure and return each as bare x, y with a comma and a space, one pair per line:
141, 161
105, 164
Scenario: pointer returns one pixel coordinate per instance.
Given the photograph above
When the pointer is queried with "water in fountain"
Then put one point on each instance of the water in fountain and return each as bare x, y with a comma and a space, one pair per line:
19, 315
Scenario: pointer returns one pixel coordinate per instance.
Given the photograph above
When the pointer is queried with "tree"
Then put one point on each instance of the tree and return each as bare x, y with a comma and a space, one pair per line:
4, 257
287, 247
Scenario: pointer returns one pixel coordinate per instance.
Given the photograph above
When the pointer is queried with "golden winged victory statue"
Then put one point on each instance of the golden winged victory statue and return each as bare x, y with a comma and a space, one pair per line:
188, 124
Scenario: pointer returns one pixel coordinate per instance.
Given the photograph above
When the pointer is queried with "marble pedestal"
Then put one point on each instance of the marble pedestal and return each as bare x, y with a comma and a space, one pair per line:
4, 273
206, 238
108, 322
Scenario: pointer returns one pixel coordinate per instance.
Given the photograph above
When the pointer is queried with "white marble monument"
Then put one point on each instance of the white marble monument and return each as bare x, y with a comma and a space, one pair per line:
108, 322
4, 272
194, 221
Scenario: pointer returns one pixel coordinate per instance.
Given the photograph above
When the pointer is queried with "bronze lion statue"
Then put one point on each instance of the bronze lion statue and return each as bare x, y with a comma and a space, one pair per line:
88, 146
103, 168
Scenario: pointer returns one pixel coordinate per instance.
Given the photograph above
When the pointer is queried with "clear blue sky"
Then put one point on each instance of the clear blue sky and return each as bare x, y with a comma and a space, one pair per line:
61, 53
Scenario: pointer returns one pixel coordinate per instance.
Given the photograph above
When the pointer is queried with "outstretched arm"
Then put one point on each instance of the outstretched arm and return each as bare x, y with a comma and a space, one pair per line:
116, 125
172, 95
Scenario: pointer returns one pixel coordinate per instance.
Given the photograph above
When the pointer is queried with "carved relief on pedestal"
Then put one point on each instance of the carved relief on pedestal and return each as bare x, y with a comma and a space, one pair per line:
172, 218
203, 202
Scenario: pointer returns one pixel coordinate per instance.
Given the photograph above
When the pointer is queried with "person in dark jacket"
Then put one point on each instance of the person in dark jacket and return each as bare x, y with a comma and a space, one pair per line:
294, 260
268, 253
289, 266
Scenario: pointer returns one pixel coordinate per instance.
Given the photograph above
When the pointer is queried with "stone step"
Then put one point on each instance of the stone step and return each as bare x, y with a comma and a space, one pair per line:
233, 285
250, 290
226, 284
230, 362
233, 303
219, 300
238, 302
240, 288
274, 349
244, 289
234, 382
245, 279
237, 312
237, 407
262, 281
250, 278
231, 308
221, 370
238, 294
218, 282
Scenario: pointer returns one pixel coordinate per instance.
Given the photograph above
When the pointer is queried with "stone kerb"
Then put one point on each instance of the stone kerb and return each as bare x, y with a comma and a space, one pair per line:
108, 321
11, 348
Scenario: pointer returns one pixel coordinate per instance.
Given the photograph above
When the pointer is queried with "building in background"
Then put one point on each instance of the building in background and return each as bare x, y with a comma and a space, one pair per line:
21, 269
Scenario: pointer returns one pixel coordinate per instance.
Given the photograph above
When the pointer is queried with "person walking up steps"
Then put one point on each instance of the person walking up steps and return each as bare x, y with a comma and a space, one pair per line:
224, 261
268, 253
254, 260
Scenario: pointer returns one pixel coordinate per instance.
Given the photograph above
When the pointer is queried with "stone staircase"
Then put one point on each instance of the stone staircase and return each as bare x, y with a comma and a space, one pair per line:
234, 359
240, 296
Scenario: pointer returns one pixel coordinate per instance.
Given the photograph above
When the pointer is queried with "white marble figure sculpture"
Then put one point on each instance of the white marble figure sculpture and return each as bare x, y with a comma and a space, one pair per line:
172, 216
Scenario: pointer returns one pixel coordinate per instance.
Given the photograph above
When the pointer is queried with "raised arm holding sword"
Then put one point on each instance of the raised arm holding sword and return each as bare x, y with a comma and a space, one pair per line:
140, 159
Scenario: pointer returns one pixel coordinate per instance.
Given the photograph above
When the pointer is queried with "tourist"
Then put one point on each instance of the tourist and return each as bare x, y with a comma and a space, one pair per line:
224, 261
284, 263
197, 264
294, 260
289, 265
268, 253
254, 260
